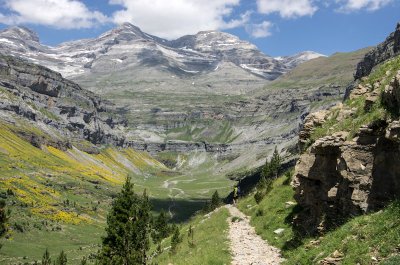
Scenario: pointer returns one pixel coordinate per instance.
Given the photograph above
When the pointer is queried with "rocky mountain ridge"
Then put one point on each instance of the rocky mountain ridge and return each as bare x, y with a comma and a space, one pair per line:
297, 59
167, 109
384, 51
62, 110
188, 55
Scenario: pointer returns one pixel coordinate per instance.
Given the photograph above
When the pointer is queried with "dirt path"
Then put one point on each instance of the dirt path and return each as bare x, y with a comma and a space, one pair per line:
246, 246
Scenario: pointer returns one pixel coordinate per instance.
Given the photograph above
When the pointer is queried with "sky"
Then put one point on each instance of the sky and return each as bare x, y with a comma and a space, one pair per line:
277, 27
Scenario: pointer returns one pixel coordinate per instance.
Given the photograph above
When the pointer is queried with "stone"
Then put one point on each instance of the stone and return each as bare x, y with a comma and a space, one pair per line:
391, 95
371, 99
358, 91
312, 121
279, 231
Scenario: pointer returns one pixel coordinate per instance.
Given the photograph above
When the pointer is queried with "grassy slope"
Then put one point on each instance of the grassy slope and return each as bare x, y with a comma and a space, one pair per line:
42, 180
373, 235
361, 117
337, 69
361, 239
210, 242
61, 198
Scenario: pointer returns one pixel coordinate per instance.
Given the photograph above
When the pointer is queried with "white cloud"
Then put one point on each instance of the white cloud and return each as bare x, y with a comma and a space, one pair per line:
354, 5
287, 8
174, 18
66, 14
261, 30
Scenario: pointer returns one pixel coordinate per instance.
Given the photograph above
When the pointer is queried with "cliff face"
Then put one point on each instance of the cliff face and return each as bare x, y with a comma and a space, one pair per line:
56, 105
384, 51
355, 168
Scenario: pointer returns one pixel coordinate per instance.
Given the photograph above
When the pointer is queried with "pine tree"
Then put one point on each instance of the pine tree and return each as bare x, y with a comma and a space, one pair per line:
175, 240
161, 228
3, 219
191, 236
266, 171
275, 163
127, 232
61, 259
215, 201
46, 260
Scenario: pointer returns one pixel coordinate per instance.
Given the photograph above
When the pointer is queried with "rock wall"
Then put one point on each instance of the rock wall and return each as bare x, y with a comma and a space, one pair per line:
44, 97
384, 51
338, 177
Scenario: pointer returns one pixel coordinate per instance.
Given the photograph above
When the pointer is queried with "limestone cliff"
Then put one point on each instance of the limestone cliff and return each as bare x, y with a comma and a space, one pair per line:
384, 51
352, 164
58, 107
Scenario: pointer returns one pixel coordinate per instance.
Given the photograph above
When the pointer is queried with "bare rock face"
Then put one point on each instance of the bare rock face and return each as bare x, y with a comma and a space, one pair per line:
384, 51
338, 177
42, 96
391, 95
310, 122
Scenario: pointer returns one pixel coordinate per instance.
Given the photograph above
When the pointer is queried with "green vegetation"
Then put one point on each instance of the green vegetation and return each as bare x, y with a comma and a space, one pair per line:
207, 246
269, 172
61, 198
46, 260
128, 229
3, 219
49, 114
360, 115
209, 130
61, 259
337, 69
175, 240
161, 228
213, 204
272, 212
359, 241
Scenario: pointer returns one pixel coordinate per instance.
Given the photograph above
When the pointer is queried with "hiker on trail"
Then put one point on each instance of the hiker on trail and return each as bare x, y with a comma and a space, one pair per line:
235, 194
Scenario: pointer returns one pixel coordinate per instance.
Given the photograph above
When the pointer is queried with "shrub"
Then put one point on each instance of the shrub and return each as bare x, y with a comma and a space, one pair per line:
395, 260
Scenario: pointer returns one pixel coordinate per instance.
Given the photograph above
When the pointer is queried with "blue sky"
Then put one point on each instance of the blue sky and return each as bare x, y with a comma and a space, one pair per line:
277, 27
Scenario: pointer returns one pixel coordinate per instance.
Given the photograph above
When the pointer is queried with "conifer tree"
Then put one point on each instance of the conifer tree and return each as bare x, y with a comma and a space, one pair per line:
175, 240
127, 232
61, 259
3, 219
275, 163
161, 228
215, 200
191, 236
46, 260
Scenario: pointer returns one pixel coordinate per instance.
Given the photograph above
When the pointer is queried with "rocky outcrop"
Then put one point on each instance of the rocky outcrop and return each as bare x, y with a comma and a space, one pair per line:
310, 123
391, 95
341, 176
384, 51
44, 97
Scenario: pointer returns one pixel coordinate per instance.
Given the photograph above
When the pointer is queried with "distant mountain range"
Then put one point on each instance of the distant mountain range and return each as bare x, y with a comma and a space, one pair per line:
127, 46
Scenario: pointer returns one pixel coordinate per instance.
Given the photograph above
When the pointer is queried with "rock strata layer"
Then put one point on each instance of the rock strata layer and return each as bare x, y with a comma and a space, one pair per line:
339, 176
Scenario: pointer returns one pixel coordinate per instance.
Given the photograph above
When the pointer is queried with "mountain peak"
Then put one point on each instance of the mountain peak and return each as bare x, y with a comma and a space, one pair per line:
129, 26
125, 31
20, 32
299, 58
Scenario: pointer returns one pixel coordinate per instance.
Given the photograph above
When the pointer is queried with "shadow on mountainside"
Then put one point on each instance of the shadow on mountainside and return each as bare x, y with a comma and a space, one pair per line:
180, 209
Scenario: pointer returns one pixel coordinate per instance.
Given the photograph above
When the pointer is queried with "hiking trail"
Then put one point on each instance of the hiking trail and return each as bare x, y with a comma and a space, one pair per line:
246, 246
